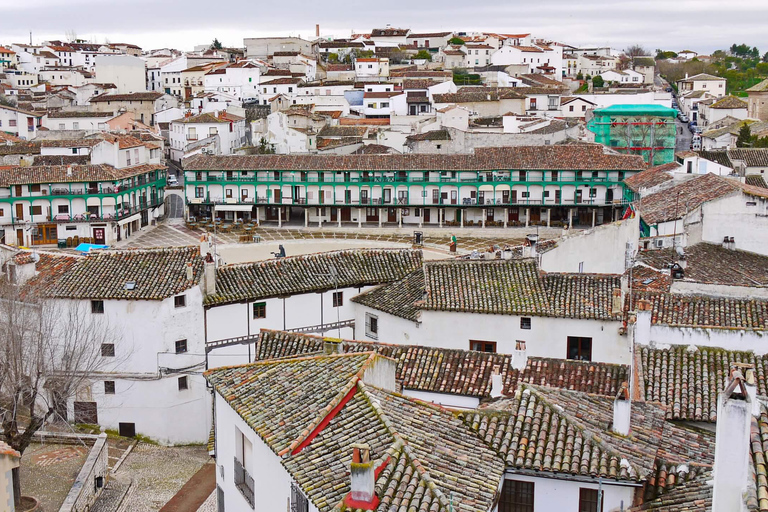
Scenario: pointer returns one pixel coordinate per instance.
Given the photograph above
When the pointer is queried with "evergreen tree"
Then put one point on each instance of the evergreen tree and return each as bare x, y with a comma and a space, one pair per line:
745, 137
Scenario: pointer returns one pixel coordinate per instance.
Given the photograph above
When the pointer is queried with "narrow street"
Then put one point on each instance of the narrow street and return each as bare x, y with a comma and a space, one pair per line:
683, 141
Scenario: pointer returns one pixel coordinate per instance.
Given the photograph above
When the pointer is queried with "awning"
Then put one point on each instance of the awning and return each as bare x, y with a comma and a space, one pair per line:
486, 188
129, 219
233, 207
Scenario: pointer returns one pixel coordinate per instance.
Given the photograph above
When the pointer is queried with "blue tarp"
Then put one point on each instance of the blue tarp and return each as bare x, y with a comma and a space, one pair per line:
86, 248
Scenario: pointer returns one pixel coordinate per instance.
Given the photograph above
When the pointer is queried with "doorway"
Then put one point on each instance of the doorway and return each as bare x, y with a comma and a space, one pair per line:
19, 211
426, 215
346, 214
391, 215
127, 429
99, 236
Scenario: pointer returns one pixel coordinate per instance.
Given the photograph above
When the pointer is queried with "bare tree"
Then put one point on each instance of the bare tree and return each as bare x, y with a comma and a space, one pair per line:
635, 50
71, 35
49, 351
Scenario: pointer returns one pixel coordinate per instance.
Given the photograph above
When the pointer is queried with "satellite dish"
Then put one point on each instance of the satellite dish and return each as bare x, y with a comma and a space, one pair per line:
680, 251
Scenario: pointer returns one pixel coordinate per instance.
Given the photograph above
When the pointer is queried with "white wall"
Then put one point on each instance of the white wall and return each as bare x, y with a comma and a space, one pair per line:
580, 249
731, 216
125, 71
147, 332
272, 483
548, 337
551, 494
445, 399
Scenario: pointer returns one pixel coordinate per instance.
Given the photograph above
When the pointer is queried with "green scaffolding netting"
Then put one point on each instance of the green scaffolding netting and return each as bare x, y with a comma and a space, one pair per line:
645, 130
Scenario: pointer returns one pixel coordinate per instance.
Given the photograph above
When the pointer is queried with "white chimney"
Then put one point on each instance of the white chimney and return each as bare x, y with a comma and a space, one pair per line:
616, 306
362, 474
209, 276
69, 170
643, 323
520, 356
190, 272
732, 441
333, 346
622, 411
497, 384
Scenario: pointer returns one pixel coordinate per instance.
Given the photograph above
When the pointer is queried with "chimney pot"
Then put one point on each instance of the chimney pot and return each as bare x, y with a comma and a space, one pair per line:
622, 411
190, 273
497, 384
520, 356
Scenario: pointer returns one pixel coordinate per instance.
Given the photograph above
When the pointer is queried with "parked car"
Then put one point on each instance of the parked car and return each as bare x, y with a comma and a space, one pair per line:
683, 117
172, 181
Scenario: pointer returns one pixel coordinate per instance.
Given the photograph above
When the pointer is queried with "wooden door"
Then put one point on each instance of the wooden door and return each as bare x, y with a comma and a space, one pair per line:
19, 211
426, 214
99, 236
18, 190
86, 412
278, 196
514, 215
347, 197
535, 214
387, 195
391, 215
489, 214
371, 214
19, 237
505, 196
334, 214
514, 197
346, 214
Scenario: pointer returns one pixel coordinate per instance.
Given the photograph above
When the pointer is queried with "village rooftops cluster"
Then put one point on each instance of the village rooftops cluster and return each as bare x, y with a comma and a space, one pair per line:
507, 287
72, 173
304, 409
458, 372
153, 274
566, 157
674, 202
311, 272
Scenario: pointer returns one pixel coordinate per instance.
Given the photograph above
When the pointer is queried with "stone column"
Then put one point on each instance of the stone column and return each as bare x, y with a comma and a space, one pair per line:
378, 210
338, 215
527, 216
506, 216
594, 213
306, 217
400, 217
549, 216
279, 216
359, 217
570, 218
440, 216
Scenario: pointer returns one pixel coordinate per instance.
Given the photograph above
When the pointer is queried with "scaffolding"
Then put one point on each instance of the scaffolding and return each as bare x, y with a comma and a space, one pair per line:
645, 130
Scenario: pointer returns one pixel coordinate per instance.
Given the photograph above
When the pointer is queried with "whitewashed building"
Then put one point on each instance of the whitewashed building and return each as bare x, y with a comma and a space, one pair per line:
227, 128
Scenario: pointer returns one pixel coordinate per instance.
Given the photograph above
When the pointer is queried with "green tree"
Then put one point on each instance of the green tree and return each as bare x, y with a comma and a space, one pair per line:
598, 81
745, 138
765, 57
333, 58
579, 76
216, 45
423, 54
456, 40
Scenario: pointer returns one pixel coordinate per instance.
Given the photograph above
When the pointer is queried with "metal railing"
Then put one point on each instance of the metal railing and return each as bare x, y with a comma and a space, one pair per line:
244, 483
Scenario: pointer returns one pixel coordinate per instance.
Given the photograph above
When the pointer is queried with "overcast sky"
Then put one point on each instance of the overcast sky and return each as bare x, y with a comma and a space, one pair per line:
699, 25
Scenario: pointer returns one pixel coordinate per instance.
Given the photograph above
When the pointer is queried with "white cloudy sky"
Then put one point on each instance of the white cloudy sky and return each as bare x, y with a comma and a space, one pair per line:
700, 25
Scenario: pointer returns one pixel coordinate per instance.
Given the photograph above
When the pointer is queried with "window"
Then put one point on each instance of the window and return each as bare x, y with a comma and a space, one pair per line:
570, 108
180, 301
588, 499
97, 306
34, 188
181, 346
579, 348
109, 387
260, 310
372, 326
75, 125
516, 496
482, 346
183, 383
36, 210
525, 323
199, 192
338, 299
107, 350
583, 108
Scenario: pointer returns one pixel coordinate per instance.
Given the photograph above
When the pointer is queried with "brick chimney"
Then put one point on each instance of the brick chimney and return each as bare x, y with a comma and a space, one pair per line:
734, 419
362, 475
622, 411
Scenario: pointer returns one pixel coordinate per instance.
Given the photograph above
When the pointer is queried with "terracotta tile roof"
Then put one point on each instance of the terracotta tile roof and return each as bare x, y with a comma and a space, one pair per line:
398, 298
62, 114
413, 73
431, 135
516, 288
713, 264
62, 159
310, 410
755, 180
70, 143
418, 83
49, 268
460, 372
755, 157
687, 379
310, 273
707, 311
342, 131
429, 34
717, 156
323, 144
375, 149
283, 81
646, 279
79, 173
7, 137
674, 202
20, 148
761, 87
5, 449
339, 67
135, 96
652, 176
570, 157
729, 102
701, 76
158, 274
